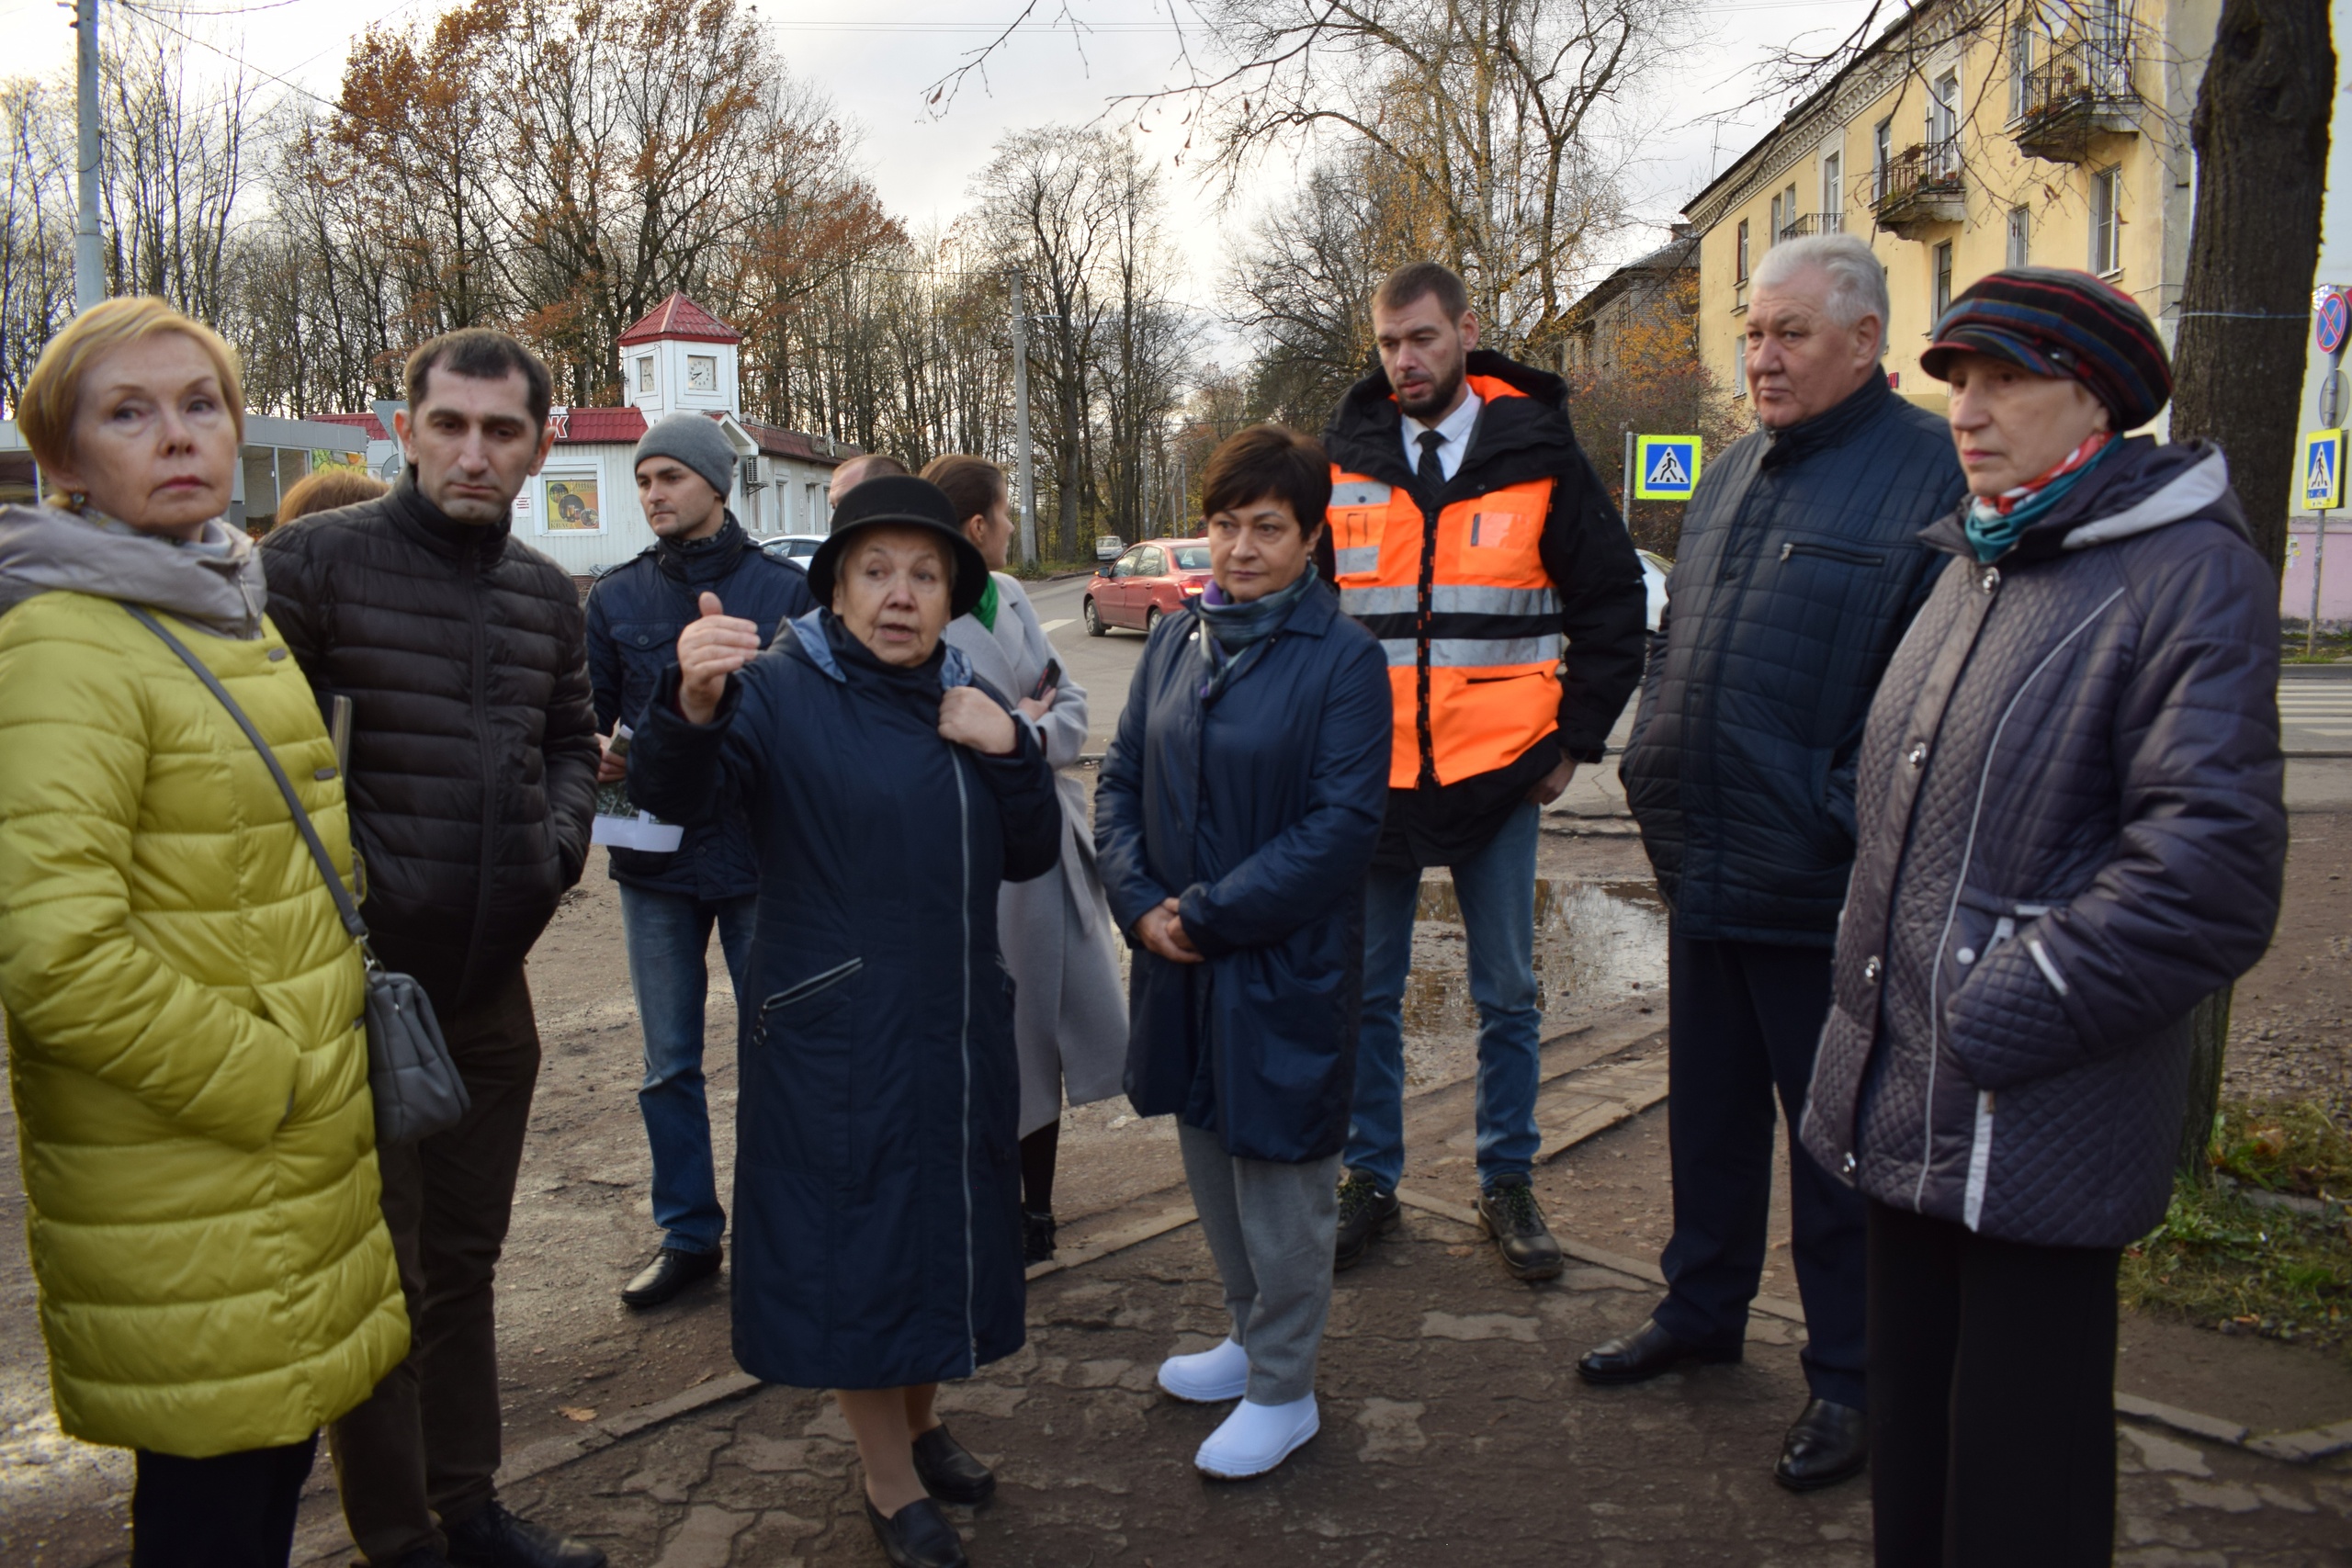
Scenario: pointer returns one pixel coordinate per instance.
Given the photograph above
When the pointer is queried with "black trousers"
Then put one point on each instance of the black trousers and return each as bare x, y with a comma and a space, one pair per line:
230, 1511
1992, 1398
1744, 1020
428, 1442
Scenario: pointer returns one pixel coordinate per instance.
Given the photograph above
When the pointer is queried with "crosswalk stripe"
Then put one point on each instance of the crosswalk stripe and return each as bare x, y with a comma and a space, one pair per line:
1050, 626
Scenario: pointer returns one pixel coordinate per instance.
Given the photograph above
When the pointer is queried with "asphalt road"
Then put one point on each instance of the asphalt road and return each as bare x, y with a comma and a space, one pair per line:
1103, 665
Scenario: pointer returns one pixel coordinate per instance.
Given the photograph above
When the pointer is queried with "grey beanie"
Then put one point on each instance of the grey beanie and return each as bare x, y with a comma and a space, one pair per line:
695, 440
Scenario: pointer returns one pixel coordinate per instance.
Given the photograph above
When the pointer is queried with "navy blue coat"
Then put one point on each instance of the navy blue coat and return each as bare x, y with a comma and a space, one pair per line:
635, 614
1260, 813
1800, 567
878, 1190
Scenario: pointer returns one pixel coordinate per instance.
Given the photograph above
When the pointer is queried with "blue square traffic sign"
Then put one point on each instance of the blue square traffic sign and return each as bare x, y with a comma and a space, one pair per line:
1666, 468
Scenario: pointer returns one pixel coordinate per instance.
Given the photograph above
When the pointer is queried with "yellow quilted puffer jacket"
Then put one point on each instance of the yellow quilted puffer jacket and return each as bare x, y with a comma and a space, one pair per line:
183, 1012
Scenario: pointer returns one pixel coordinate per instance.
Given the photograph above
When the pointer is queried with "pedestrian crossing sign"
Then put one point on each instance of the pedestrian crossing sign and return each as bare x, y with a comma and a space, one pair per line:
1666, 468
2324, 471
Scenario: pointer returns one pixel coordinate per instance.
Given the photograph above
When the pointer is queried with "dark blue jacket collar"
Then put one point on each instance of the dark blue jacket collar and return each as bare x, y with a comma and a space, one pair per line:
1834, 426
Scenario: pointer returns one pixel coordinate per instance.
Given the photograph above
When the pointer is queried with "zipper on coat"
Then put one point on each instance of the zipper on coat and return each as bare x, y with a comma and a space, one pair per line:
1959, 886
1831, 552
802, 990
482, 743
963, 1046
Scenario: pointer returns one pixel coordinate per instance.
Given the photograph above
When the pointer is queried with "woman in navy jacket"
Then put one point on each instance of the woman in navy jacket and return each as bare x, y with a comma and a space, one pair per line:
877, 1207
1240, 806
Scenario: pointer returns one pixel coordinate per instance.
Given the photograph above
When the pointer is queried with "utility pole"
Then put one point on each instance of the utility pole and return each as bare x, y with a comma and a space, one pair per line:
1020, 418
89, 260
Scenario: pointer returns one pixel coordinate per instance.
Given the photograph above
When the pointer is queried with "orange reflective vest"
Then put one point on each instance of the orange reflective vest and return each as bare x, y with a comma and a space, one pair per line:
1465, 610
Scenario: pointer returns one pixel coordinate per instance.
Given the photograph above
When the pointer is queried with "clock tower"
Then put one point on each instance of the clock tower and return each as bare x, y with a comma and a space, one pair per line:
681, 360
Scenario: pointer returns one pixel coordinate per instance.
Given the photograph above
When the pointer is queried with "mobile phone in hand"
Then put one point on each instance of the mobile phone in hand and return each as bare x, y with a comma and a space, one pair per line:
1050, 680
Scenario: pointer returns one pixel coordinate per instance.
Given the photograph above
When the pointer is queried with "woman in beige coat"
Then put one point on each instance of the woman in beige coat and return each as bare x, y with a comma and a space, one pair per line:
1069, 1006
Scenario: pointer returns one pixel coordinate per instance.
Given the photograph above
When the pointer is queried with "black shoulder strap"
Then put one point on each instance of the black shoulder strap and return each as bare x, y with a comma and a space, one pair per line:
343, 903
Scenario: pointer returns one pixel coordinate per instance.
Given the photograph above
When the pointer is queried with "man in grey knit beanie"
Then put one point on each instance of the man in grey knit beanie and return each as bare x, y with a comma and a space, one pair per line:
695, 441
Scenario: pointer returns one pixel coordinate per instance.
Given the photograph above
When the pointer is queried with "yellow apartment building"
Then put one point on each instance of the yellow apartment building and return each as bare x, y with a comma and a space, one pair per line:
1975, 135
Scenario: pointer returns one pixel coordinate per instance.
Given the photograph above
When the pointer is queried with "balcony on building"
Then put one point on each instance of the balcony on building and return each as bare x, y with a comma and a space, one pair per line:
1918, 188
1805, 223
2082, 91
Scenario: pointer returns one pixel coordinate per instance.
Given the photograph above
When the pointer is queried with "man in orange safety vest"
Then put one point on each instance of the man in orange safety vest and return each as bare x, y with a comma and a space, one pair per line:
1470, 534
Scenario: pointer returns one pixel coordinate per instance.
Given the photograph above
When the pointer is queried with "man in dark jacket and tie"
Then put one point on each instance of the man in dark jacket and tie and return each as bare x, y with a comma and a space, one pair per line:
472, 778
1798, 571
672, 898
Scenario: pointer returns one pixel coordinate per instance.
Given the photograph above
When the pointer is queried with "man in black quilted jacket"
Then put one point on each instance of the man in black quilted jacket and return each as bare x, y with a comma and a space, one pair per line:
472, 779
1798, 571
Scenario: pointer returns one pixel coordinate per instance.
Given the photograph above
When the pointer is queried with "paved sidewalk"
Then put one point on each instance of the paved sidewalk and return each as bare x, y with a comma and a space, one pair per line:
1455, 1432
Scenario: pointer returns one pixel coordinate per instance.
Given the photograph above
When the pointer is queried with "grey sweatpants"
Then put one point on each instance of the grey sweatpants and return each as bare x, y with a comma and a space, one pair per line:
1272, 1228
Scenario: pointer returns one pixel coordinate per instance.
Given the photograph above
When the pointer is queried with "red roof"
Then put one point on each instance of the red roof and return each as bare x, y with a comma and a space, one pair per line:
679, 317
361, 422
603, 424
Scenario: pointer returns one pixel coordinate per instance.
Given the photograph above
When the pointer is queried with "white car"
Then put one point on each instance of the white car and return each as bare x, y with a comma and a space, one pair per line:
1109, 546
1654, 570
796, 548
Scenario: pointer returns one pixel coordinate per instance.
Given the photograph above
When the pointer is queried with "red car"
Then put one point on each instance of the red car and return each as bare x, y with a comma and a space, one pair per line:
1149, 581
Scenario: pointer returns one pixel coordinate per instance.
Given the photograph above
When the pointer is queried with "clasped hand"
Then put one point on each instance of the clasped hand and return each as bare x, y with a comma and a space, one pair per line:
1161, 930
709, 650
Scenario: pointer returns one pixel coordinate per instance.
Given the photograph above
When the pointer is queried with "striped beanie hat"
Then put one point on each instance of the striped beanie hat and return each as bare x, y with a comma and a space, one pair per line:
2054, 322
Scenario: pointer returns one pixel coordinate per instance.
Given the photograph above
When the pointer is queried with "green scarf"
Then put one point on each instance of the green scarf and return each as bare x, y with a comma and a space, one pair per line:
985, 611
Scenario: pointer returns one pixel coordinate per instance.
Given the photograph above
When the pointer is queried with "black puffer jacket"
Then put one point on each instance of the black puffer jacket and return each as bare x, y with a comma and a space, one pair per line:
2072, 831
1800, 565
473, 754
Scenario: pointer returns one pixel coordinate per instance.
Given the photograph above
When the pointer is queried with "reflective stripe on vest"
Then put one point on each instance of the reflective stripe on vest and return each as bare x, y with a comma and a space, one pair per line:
1465, 612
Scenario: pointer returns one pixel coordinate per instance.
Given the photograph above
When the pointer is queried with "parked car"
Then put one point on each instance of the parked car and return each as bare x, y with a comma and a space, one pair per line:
1145, 583
1654, 570
1108, 546
794, 548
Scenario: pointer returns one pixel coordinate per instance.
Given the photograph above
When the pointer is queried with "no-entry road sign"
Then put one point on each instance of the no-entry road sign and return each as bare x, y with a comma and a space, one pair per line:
2324, 471
1666, 468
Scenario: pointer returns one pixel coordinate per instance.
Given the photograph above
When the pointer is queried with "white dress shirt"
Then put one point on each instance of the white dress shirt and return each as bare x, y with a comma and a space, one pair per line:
1454, 427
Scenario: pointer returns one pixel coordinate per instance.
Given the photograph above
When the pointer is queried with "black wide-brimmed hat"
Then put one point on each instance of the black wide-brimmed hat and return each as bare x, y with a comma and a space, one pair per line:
904, 502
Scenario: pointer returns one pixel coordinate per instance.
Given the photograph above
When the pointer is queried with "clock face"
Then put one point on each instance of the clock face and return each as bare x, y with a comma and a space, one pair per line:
702, 372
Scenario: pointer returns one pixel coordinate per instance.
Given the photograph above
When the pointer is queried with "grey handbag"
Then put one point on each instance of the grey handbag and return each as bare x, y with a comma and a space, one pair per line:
414, 1083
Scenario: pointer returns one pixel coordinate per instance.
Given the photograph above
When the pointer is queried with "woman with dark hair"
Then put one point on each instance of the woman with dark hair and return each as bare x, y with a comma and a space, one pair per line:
877, 1219
1239, 810
2070, 833
1069, 1015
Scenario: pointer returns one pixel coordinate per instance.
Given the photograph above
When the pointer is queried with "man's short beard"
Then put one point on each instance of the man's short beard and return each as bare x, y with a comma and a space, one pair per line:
1441, 396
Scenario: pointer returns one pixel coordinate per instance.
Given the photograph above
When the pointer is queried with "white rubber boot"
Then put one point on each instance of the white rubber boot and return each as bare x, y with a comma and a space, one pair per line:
1257, 1437
1209, 1377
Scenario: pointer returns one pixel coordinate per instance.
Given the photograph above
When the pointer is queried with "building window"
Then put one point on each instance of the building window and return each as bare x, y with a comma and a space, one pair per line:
1833, 192
1739, 366
1772, 235
2106, 219
1943, 281
1788, 216
2020, 237
2020, 71
645, 373
1943, 125
1882, 157
1739, 257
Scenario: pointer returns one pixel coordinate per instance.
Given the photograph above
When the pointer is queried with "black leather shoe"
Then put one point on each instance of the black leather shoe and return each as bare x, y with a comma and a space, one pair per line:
948, 1472
918, 1536
1036, 1235
1830, 1443
1365, 1212
670, 1273
496, 1538
1648, 1352
1510, 1214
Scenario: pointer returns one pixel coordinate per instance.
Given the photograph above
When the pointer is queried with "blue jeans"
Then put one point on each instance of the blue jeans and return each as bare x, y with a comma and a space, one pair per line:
1496, 890
669, 935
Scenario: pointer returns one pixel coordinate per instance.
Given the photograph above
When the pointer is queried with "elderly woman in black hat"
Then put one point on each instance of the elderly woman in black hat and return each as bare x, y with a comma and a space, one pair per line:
877, 1207
2070, 833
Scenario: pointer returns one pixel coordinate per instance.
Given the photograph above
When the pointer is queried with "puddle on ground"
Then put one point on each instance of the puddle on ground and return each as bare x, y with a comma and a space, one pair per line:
1597, 945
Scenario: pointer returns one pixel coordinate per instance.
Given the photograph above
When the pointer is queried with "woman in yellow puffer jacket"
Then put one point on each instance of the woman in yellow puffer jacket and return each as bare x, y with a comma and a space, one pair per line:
183, 1004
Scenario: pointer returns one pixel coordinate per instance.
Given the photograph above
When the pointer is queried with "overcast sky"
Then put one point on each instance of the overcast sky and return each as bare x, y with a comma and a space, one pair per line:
876, 55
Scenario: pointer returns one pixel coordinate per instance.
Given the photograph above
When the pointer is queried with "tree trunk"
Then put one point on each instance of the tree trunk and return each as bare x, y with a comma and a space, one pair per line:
2260, 132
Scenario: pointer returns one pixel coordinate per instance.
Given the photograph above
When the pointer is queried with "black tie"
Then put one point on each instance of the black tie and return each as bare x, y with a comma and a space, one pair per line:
1432, 473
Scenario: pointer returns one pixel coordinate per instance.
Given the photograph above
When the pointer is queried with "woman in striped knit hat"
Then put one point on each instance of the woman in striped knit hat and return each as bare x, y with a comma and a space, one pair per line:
2070, 832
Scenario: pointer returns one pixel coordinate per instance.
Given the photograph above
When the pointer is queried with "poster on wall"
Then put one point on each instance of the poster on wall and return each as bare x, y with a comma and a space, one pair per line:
572, 505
